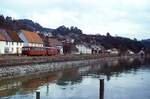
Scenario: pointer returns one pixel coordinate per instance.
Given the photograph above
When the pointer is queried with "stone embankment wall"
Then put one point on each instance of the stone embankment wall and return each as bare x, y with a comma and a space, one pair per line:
24, 70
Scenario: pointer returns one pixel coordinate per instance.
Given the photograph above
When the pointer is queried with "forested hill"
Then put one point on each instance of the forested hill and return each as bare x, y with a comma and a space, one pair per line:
108, 41
146, 44
12, 24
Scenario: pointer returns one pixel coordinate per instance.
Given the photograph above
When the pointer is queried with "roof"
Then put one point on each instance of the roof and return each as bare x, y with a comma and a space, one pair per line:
14, 36
32, 37
2, 38
5, 35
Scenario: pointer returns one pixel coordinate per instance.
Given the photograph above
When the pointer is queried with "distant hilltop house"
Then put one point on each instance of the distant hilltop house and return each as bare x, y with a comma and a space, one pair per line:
129, 52
30, 38
97, 49
142, 53
10, 43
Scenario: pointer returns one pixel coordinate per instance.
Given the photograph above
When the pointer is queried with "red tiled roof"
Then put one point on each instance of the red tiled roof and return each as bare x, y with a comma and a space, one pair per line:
14, 36
5, 35
32, 37
2, 38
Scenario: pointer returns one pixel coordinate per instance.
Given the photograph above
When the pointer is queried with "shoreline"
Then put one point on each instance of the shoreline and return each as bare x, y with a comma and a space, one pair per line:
15, 71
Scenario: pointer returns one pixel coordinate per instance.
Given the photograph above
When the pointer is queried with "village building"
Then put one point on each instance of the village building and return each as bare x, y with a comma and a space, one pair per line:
142, 53
17, 43
2, 44
74, 49
112, 51
30, 38
10, 43
129, 52
97, 49
67, 47
53, 42
84, 49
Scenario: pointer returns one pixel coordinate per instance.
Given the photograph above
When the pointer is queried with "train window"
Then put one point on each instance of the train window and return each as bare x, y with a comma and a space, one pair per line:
25, 49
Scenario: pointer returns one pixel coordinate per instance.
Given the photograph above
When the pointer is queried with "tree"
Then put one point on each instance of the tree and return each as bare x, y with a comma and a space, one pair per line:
2, 20
108, 34
75, 30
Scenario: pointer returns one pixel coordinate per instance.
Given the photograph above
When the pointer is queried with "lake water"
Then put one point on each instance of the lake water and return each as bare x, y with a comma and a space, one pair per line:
123, 79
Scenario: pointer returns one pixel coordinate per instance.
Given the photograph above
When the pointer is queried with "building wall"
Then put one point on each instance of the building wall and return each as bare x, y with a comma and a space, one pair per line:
13, 47
84, 50
2, 46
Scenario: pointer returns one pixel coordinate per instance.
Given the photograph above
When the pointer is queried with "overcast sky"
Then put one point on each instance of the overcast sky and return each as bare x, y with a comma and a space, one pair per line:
129, 18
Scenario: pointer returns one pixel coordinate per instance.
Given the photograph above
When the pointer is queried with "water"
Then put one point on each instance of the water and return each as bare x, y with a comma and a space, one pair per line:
124, 79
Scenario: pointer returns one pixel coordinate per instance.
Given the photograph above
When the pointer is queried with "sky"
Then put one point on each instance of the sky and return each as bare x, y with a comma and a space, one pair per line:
128, 18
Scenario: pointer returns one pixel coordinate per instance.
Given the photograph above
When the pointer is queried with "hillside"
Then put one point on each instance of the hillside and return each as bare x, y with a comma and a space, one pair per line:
146, 44
63, 32
12, 24
108, 41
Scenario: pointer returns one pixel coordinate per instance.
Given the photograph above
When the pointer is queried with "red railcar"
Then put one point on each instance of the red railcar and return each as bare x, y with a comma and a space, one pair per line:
51, 51
40, 51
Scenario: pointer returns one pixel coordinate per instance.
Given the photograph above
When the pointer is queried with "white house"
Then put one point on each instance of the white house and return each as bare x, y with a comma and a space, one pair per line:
30, 38
96, 49
112, 51
130, 52
10, 43
141, 52
2, 44
16, 44
83, 49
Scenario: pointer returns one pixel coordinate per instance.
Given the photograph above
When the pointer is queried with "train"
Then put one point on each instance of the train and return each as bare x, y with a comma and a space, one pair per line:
40, 51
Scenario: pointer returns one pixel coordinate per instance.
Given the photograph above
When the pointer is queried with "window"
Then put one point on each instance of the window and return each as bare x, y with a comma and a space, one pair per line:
25, 48
12, 49
6, 50
6, 42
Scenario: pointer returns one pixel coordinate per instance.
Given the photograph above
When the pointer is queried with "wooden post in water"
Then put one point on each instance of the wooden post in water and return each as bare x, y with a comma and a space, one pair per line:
101, 89
38, 95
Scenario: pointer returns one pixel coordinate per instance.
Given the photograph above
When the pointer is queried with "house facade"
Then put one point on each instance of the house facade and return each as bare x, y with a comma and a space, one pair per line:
31, 39
112, 51
10, 43
83, 49
16, 43
97, 49
2, 44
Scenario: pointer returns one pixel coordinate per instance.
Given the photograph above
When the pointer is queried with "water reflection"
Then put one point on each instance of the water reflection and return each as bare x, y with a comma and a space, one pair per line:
73, 80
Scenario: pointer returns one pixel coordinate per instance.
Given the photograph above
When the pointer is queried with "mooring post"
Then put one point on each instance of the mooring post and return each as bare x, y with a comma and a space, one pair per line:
101, 90
38, 95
